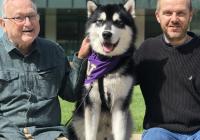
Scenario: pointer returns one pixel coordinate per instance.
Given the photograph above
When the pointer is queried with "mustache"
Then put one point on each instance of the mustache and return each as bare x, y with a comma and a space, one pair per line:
175, 23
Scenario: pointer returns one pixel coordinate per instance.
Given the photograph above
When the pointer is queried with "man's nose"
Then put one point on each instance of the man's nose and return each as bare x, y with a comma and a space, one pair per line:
27, 20
174, 17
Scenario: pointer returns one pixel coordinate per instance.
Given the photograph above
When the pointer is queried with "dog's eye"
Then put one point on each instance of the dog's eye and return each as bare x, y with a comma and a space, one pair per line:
119, 23
99, 22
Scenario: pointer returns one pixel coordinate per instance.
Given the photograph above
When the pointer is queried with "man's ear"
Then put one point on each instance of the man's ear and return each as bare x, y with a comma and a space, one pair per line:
191, 15
2, 23
157, 16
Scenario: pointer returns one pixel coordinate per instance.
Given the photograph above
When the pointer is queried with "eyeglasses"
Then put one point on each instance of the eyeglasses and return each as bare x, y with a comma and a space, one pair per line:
22, 19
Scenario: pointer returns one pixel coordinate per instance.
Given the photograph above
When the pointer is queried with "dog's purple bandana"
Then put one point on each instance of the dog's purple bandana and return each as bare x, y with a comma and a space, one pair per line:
99, 67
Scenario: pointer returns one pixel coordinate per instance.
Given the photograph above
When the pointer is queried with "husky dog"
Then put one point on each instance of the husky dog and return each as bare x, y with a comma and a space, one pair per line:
103, 111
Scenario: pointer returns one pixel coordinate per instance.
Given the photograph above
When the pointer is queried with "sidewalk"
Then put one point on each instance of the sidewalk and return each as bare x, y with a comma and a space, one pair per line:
136, 137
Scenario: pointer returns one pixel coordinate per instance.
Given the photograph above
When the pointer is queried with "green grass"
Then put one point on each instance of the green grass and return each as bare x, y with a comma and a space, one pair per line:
137, 110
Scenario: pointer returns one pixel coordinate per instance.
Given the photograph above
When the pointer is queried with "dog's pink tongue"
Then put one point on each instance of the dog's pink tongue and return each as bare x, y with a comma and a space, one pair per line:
108, 47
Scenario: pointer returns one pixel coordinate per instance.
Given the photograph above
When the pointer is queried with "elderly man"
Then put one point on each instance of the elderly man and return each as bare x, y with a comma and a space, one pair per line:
33, 73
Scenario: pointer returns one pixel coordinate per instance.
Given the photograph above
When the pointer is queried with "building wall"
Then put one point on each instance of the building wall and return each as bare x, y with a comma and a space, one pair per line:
67, 27
140, 24
50, 24
63, 21
140, 4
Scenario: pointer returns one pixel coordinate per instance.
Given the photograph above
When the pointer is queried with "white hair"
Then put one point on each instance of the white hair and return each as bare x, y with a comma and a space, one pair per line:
4, 3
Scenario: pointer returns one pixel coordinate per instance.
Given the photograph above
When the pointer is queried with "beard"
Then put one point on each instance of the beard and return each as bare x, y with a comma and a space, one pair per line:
176, 31
174, 35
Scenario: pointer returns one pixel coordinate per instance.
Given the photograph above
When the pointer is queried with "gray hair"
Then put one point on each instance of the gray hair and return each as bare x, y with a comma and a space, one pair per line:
4, 3
189, 5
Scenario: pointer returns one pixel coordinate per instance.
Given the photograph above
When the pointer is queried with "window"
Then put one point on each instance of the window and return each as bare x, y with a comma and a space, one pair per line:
70, 29
194, 26
152, 27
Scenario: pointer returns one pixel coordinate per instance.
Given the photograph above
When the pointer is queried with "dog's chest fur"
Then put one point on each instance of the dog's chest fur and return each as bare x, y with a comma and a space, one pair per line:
112, 87
116, 95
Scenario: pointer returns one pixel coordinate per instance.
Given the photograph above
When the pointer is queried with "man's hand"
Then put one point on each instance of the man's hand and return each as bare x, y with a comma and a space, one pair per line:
85, 48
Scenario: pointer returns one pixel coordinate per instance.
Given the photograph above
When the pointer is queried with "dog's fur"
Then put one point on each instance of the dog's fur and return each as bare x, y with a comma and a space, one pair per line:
105, 115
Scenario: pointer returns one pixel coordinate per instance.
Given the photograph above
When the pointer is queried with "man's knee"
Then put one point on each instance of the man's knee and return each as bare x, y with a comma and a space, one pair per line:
157, 134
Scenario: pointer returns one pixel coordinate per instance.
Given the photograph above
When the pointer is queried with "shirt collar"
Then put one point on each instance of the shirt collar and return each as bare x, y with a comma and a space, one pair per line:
10, 46
36, 45
191, 34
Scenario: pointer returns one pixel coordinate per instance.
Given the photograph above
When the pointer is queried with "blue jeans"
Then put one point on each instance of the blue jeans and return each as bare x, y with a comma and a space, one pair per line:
163, 134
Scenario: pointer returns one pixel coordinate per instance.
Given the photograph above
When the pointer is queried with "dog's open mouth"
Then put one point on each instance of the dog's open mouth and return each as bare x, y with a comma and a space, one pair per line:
109, 47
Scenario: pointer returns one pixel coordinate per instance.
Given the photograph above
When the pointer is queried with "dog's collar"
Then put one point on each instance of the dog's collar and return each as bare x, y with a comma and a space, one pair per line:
101, 66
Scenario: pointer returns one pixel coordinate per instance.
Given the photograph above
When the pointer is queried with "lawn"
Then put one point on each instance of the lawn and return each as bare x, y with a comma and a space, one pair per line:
137, 110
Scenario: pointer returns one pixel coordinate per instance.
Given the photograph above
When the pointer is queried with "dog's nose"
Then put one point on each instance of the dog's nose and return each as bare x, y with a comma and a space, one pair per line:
107, 35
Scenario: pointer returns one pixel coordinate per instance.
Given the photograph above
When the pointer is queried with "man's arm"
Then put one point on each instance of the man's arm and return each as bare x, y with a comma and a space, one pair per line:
75, 73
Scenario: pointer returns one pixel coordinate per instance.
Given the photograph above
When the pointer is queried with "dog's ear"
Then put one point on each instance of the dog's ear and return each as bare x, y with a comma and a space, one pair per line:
130, 7
91, 7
